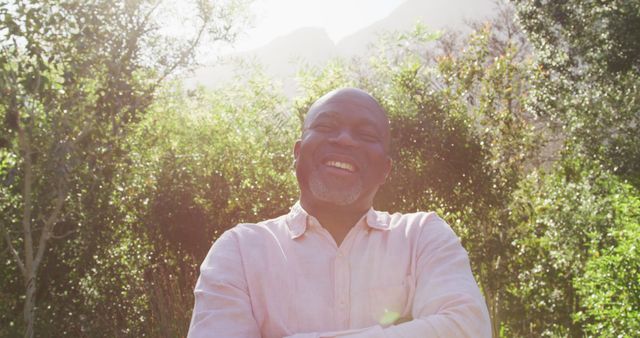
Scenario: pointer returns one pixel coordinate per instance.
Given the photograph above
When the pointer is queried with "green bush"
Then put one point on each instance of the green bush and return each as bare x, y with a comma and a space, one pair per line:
610, 286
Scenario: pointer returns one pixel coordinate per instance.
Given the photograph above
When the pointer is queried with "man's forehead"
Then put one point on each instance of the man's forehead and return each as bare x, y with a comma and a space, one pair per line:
346, 101
373, 118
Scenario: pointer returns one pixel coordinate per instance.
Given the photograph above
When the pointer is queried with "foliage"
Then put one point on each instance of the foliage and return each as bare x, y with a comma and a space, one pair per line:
587, 89
74, 77
561, 216
203, 163
589, 54
609, 289
214, 160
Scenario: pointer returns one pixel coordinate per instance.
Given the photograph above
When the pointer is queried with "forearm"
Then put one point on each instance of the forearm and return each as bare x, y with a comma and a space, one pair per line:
473, 324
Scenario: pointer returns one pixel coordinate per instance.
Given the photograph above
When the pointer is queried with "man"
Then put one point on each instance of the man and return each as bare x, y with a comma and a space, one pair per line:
333, 266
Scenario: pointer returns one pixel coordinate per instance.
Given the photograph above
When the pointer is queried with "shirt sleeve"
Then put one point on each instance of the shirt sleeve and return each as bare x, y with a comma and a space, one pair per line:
222, 305
447, 301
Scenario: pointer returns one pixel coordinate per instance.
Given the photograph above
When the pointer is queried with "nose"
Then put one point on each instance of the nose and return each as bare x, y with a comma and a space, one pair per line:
344, 138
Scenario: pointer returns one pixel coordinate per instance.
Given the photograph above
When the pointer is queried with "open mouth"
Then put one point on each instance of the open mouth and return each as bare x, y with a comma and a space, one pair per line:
341, 165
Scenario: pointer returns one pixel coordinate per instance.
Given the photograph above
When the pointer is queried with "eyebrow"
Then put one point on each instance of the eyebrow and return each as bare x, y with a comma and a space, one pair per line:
319, 116
326, 115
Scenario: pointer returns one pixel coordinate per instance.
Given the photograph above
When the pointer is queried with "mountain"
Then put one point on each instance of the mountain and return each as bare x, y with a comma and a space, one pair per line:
312, 45
450, 14
280, 57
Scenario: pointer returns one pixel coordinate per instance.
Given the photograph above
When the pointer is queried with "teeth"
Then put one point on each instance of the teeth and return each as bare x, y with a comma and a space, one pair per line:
341, 165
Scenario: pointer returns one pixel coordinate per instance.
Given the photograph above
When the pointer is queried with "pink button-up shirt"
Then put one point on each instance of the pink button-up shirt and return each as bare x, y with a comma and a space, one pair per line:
399, 275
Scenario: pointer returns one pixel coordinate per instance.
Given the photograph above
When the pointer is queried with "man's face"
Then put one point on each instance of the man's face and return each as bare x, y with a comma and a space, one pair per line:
342, 156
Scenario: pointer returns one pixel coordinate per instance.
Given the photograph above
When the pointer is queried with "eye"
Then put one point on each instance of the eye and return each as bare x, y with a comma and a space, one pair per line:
322, 127
368, 136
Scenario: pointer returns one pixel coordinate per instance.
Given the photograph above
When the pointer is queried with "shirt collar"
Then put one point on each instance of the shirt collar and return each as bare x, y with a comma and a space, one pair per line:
298, 219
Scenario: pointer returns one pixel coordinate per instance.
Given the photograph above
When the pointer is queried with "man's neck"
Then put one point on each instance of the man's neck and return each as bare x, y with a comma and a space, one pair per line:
336, 219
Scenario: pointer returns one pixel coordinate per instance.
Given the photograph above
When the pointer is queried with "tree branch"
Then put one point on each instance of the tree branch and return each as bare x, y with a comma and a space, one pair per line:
185, 53
25, 147
86, 129
13, 250
63, 235
147, 17
47, 229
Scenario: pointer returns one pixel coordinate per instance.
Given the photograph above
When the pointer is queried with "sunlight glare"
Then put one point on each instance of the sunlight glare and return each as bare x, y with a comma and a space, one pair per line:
273, 18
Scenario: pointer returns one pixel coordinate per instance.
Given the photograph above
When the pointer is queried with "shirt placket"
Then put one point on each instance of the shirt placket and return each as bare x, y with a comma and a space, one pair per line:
342, 273
342, 277
342, 286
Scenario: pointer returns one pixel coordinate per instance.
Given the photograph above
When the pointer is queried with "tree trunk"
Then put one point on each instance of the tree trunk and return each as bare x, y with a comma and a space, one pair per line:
492, 303
29, 272
30, 305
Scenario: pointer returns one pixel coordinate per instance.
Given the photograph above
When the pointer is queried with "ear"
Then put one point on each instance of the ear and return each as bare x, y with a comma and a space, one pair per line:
389, 166
296, 149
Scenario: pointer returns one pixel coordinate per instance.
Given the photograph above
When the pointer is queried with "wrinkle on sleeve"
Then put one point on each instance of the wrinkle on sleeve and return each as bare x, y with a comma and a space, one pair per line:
222, 305
447, 301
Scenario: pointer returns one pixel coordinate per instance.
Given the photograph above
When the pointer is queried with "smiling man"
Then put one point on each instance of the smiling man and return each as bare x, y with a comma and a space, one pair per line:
333, 266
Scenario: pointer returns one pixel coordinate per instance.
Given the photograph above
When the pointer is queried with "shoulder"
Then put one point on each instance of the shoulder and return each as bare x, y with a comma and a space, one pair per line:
428, 226
251, 232
419, 219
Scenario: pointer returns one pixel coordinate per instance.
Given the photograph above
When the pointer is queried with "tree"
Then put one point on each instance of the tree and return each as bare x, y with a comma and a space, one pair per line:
587, 89
609, 291
559, 216
205, 161
589, 55
75, 76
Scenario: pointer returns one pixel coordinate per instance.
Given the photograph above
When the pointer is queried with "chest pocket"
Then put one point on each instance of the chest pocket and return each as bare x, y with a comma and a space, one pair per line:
389, 303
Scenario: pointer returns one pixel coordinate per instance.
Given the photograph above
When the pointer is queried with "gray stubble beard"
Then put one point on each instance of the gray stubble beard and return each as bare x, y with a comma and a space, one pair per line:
335, 192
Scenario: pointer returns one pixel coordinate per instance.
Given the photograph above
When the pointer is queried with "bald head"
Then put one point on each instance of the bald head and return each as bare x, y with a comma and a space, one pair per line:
355, 95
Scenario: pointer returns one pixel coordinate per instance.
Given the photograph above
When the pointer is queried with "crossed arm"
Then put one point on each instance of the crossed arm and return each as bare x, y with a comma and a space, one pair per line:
447, 301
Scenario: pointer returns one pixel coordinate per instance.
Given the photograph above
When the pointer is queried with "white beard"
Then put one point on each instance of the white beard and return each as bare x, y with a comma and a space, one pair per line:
334, 190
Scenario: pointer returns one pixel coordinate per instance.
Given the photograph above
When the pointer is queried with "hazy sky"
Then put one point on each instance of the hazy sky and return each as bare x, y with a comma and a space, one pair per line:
273, 18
